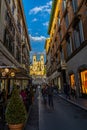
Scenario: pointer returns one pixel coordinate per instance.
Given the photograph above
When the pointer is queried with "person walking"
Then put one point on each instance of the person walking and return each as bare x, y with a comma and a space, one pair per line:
67, 90
44, 94
50, 95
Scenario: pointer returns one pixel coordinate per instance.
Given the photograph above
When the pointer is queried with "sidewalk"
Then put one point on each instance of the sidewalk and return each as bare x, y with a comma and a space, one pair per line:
80, 102
43, 118
33, 118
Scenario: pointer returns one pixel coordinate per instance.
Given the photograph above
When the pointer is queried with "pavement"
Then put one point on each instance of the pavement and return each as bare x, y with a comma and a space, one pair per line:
79, 101
33, 116
39, 113
32, 122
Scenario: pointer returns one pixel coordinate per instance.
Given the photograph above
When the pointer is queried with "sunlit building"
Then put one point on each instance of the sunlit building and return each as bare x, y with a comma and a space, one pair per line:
68, 44
37, 69
14, 38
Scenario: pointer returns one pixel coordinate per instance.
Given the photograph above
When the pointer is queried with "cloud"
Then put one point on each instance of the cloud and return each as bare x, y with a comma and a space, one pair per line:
47, 10
34, 20
36, 10
44, 8
36, 33
37, 38
49, 3
45, 24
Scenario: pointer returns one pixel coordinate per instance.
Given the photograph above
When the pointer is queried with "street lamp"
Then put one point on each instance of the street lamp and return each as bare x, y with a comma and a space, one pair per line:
7, 73
6, 70
12, 74
3, 73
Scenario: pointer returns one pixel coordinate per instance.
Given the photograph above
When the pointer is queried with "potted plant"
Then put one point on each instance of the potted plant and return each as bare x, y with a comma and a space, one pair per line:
15, 114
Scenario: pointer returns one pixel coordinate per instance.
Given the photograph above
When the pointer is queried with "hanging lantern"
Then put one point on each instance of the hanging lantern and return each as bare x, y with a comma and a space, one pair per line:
3, 73
12, 74
6, 70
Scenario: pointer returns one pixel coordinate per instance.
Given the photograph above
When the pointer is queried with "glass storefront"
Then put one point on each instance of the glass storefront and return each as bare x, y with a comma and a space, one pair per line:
84, 81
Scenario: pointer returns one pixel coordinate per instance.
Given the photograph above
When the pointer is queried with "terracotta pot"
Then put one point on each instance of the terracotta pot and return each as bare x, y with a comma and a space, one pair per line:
15, 127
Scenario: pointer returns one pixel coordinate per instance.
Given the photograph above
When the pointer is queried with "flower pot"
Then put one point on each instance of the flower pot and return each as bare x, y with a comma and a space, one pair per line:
15, 126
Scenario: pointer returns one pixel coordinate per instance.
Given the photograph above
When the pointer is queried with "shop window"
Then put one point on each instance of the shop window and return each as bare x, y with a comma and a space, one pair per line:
84, 81
72, 81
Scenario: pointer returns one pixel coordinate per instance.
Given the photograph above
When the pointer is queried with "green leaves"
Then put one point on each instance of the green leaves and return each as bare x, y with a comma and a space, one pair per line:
15, 110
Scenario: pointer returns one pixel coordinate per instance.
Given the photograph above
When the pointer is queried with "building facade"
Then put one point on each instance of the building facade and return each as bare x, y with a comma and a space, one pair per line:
14, 38
37, 69
68, 43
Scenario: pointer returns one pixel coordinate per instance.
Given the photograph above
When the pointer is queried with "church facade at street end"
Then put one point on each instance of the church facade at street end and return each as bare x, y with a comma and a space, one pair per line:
37, 68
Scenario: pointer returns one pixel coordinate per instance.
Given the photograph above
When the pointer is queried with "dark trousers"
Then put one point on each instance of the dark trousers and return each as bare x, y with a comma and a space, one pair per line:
50, 100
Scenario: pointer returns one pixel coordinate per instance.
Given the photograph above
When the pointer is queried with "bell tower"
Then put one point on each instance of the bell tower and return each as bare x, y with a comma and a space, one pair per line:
42, 61
34, 59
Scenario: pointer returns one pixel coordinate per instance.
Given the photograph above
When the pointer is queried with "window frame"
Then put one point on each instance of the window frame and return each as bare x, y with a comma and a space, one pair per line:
69, 46
74, 5
78, 34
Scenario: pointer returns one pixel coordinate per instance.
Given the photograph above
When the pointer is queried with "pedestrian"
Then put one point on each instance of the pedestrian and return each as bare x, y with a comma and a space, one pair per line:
67, 90
50, 95
27, 99
73, 91
23, 95
44, 94
3, 97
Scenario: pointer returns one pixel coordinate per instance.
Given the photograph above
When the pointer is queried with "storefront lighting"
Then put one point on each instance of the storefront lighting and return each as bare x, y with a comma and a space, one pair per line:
12, 74
6, 70
3, 73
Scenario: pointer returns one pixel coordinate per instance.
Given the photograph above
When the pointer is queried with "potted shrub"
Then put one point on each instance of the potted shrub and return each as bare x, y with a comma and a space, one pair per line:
15, 114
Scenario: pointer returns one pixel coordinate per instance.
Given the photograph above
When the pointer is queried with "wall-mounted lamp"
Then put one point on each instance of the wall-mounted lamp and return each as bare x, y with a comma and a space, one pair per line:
3, 73
6, 70
12, 74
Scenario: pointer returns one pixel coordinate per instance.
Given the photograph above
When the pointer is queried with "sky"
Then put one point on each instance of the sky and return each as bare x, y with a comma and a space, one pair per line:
37, 13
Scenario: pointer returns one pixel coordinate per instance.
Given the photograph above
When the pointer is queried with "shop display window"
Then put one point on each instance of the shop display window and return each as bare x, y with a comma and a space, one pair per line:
84, 81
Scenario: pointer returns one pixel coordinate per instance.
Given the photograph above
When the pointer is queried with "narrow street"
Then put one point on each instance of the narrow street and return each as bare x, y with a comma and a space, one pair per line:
64, 116
43, 46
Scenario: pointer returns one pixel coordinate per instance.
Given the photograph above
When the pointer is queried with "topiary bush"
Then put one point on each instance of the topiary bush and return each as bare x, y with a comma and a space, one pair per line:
15, 111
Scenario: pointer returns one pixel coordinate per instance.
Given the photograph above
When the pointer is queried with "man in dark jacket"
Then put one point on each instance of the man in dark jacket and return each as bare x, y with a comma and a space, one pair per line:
67, 90
50, 95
